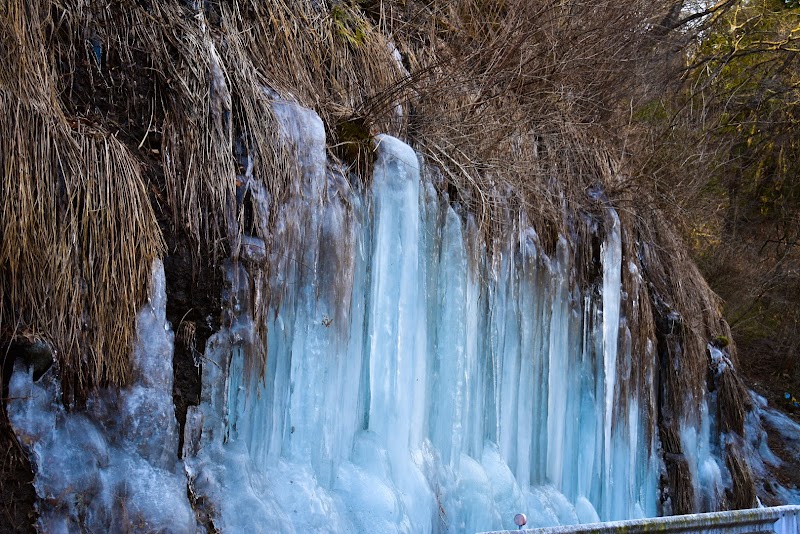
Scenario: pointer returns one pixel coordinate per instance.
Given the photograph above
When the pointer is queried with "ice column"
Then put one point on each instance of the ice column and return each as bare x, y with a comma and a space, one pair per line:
396, 326
612, 283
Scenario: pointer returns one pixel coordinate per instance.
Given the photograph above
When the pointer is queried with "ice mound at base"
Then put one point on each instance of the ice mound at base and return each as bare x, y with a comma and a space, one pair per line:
112, 467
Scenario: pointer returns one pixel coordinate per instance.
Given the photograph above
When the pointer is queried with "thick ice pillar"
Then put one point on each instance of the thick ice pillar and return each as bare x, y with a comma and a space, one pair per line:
396, 327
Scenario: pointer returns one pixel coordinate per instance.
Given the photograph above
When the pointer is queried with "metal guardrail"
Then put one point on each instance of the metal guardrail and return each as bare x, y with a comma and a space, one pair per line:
778, 519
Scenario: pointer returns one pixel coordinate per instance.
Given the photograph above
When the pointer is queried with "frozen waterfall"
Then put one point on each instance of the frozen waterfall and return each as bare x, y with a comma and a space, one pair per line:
112, 467
416, 383
419, 379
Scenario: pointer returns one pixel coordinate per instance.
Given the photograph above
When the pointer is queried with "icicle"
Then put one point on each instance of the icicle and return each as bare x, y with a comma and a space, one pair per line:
611, 253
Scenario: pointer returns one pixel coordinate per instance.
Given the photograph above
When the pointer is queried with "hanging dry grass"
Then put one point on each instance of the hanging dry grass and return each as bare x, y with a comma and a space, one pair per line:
734, 402
327, 55
78, 232
692, 312
78, 240
194, 112
26, 71
680, 289
743, 492
511, 97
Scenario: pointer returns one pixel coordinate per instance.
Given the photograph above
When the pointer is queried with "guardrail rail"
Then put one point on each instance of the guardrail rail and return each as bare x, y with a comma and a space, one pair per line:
778, 520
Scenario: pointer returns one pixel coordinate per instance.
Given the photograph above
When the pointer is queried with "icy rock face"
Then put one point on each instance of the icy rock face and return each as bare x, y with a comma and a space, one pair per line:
112, 467
759, 422
413, 385
704, 445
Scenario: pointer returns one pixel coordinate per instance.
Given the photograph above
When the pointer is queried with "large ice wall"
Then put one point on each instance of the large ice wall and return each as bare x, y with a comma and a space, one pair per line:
415, 382
112, 467
419, 379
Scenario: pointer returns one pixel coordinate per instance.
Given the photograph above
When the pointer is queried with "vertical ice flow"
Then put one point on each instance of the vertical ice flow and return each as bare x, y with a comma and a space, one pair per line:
394, 331
415, 383
419, 378
612, 280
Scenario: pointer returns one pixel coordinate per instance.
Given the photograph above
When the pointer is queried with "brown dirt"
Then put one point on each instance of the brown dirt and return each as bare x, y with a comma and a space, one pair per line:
193, 293
17, 496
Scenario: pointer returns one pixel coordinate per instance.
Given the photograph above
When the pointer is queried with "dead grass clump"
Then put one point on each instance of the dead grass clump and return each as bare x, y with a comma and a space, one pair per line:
78, 231
326, 56
26, 71
196, 132
743, 493
733, 402
679, 479
637, 308
78, 240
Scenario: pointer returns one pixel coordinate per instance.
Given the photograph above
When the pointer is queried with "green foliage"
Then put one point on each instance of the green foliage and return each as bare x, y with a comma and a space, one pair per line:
654, 112
750, 73
722, 341
744, 109
355, 144
348, 25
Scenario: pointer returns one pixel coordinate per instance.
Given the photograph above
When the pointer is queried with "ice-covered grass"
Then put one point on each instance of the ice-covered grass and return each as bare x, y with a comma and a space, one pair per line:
764, 462
704, 445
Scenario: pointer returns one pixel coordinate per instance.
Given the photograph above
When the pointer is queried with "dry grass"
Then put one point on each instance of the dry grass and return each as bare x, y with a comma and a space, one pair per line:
734, 403
78, 232
79, 237
675, 280
743, 491
513, 97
